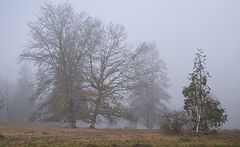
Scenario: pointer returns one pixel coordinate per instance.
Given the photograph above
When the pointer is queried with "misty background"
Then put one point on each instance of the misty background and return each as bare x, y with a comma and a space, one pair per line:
177, 27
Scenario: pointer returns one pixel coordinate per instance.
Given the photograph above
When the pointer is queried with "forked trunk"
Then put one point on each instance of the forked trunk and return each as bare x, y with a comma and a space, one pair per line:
95, 113
92, 126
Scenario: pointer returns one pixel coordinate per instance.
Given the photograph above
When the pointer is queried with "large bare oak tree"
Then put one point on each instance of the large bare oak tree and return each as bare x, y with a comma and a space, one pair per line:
59, 40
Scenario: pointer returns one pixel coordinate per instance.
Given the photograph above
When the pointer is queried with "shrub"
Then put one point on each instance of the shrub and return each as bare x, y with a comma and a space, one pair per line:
1, 137
174, 122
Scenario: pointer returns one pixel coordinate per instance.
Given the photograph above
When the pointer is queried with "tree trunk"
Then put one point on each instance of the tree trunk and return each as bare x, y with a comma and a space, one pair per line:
198, 119
199, 110
149, 121
92, 126
198, 123
72, 120
94, 116
73, 123
96, 111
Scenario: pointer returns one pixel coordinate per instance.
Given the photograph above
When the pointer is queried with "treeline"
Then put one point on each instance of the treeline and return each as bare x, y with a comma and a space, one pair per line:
15, 104
87, 72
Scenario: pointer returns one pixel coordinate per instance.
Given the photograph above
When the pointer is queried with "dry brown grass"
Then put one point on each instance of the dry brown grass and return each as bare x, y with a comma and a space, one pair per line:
18, 135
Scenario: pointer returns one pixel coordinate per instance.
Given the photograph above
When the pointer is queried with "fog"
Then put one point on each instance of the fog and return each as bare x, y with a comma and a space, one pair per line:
178, 28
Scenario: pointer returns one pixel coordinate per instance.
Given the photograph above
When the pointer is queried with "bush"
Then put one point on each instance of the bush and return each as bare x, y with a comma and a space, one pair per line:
174, 122
1, 137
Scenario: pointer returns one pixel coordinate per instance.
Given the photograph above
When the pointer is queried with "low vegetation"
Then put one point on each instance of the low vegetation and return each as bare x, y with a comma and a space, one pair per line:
45, 136
174, 122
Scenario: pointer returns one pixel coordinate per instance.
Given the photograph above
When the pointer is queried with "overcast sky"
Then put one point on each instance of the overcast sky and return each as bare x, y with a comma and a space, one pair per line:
178, 27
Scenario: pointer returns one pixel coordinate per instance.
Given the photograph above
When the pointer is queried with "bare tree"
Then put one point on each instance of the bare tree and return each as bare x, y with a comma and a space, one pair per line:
5, 95
148, 86
174, 121
1, 100
21, 108
85, 69
59, 40
2, 94
106, 71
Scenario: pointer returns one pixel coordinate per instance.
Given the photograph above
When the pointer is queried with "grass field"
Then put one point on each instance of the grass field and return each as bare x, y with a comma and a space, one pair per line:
44, 136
